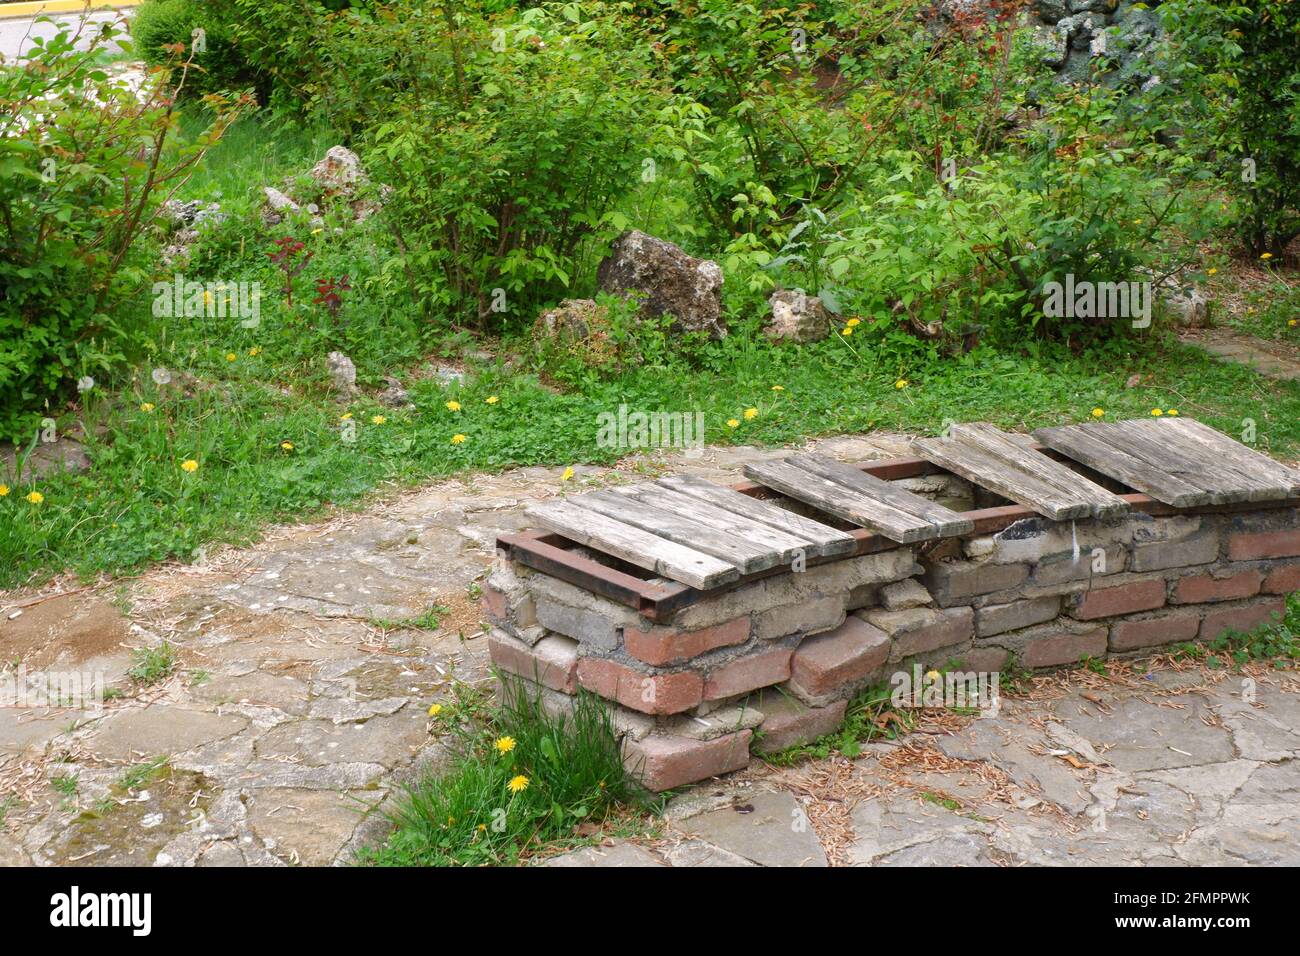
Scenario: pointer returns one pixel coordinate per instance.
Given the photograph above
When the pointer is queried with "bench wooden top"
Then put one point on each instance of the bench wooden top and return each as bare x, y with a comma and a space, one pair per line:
689, 530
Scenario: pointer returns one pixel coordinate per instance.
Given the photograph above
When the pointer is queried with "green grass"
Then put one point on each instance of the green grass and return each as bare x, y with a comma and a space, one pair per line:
137, 505
430, 620
468, 814
870, 716
149, 665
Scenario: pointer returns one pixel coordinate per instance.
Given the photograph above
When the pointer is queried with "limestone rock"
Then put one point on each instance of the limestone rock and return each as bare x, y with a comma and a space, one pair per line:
797, 317
668, 280
343, 374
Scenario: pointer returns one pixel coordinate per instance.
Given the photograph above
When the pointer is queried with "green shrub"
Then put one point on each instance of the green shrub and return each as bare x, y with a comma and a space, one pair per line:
74, 208
159, 25
517, 152
1244, 87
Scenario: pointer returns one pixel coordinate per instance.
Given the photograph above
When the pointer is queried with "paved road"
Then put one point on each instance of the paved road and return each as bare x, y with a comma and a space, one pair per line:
15, 35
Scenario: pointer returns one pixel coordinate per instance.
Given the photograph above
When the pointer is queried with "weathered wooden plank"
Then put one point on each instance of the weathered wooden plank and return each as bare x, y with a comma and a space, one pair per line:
785, 545
631, 544
1222, 489
746, 555
945, 520
842, 502
1071, 484
831, 540
975, 464
1080, 443
1268, 479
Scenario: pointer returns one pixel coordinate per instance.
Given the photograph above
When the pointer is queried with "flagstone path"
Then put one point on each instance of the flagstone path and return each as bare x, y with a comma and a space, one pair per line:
299, 705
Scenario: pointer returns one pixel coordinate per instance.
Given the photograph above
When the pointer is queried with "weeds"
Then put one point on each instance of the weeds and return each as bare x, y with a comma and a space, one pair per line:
520, 779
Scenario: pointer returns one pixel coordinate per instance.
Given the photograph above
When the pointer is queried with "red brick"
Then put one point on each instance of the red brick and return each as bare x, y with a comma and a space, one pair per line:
1200, 588
1283, 579
788, 723
1252, 546
667, 645
648, 693
1125, 599
1165, 629
666, 762
1064, 648
824, 663
748, 673
493, 604
552, 662
1241, 619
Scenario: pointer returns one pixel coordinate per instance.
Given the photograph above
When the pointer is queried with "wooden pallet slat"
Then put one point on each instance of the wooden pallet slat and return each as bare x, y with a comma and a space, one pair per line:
985, 469
1015, 452
835, 499
634, 545
1087, 447
1203, 447
786, 546
748, 556
852, 495
831, 541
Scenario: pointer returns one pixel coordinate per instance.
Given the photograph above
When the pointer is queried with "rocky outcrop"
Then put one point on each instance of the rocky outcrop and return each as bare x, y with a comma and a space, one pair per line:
667, 281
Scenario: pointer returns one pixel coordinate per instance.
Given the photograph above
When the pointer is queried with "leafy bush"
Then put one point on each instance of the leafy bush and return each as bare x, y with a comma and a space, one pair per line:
158, 26
1245, 85
76, 198
514, 155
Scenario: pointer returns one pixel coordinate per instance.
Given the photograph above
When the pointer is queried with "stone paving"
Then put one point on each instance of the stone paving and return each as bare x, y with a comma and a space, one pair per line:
299, 705
1270, 359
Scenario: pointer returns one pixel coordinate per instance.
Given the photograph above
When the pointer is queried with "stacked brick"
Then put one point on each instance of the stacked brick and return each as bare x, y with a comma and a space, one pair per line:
772, 663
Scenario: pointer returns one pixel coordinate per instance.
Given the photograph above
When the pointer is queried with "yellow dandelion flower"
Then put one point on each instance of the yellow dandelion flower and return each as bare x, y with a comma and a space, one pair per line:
317, 232
287, 445
1157, 412
231, 356
846, 331
4, 491
345, 417
453, 406
207, 297
518, 784
1251, 310
1211, 272
190, 465
901, 383
457, 439
568, 473
505, 744
1098, 412
491, 400
35, 497
146, 406
435, 710
377, 419
733, 423
778, 388
1266, 255
1172, 411
482, 828
932, 675
255, 351
751, 414
851, 323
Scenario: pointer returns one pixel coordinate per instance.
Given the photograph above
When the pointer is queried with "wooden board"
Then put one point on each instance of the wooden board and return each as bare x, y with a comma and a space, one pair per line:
852, 495
746, 555
989, 458
830, 541
785, 545
1087, 447
1178, 461
1014, 450
633, 545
